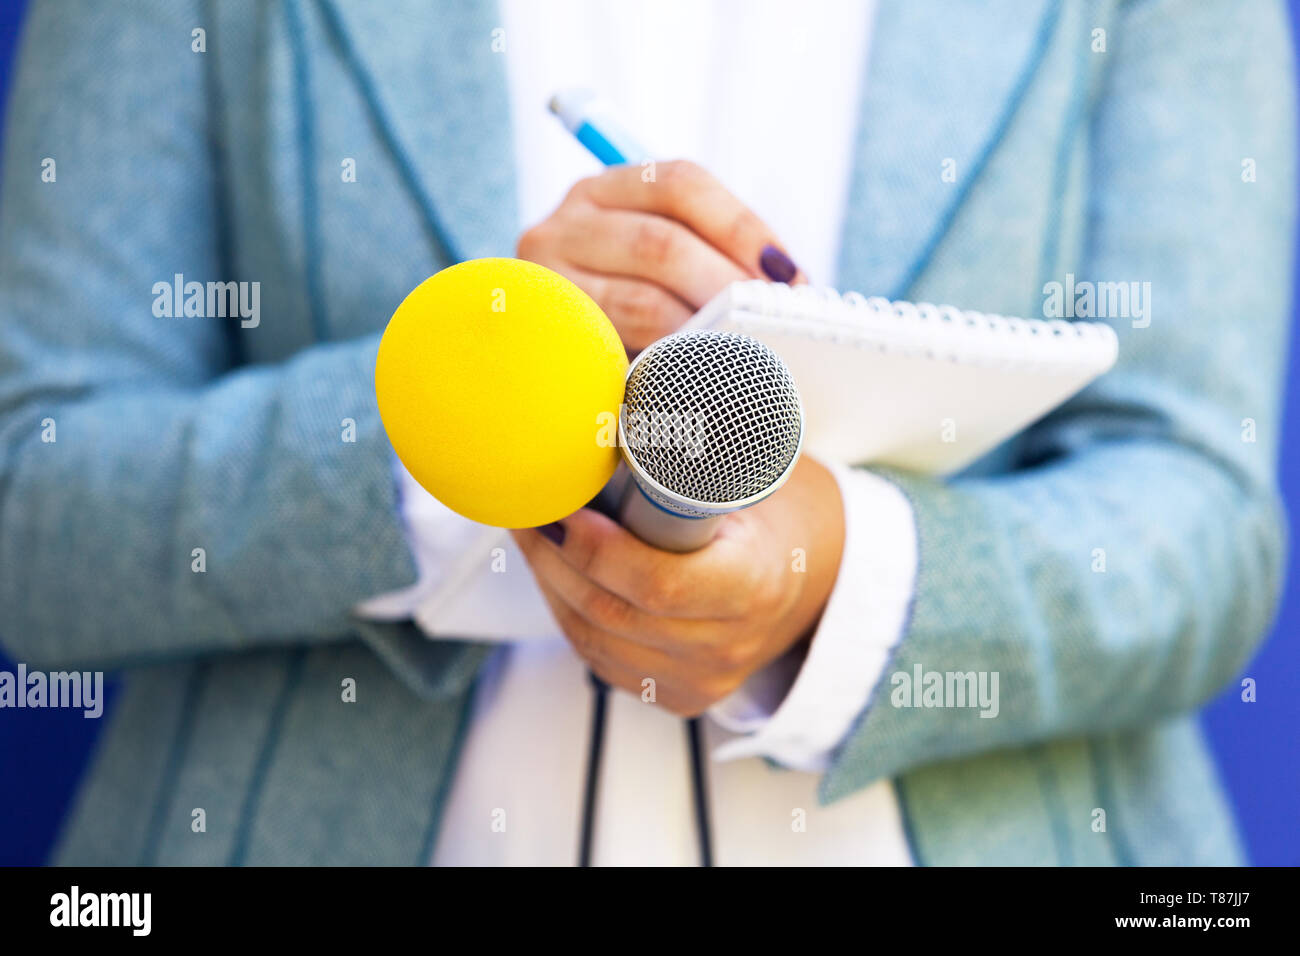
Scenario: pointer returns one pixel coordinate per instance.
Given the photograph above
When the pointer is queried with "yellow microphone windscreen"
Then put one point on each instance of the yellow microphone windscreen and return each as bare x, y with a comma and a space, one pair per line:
496, 380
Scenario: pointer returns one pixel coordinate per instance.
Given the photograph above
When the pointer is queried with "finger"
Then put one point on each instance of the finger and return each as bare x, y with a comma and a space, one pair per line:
653, 247
607, 654
642, 311
689, 194
713, 583
628, 667
612, 613
582, 637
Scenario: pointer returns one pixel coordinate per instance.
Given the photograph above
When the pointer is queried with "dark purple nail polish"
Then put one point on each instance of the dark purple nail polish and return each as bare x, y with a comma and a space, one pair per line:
777, 265
554, 532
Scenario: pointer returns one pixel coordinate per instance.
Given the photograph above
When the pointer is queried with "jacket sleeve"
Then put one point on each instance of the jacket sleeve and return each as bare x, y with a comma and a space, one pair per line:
1128, 567
129, 440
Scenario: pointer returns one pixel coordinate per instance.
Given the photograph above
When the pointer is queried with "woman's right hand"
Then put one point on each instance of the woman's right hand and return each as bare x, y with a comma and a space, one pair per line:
653, 245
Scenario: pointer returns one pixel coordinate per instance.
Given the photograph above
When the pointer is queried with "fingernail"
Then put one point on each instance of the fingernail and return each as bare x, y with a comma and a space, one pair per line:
777, 265
554, 532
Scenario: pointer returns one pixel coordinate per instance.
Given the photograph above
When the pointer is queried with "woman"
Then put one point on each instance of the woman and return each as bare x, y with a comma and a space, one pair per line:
217, 514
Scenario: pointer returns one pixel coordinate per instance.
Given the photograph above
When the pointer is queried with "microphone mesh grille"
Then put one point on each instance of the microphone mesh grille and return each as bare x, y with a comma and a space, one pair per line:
712, 416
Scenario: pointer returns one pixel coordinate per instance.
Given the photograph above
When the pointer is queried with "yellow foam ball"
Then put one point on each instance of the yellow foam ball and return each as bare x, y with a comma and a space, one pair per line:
496, 381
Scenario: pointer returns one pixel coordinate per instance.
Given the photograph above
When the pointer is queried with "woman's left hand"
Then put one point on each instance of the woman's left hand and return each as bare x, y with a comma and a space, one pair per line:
697, 624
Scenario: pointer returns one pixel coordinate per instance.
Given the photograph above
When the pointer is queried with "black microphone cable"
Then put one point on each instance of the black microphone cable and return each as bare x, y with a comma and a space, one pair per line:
699, 784
590, 791
595, 747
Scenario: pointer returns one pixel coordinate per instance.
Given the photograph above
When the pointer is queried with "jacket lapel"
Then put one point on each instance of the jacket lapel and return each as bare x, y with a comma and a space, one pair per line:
438, 98
965, 64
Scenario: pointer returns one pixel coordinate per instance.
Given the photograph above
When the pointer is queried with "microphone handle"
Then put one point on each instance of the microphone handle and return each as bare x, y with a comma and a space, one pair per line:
660, 527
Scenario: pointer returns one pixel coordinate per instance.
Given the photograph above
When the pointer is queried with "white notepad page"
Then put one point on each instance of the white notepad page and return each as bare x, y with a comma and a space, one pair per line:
921, 387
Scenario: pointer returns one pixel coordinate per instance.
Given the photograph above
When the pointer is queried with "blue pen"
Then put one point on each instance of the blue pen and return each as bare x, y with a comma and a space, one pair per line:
590, 119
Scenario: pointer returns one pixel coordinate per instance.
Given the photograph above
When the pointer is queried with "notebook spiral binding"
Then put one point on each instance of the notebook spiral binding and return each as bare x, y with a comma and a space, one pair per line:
918, 329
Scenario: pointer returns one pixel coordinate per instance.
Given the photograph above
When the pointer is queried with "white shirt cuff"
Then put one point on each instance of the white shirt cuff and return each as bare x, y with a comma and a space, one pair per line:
863, 622
472, 581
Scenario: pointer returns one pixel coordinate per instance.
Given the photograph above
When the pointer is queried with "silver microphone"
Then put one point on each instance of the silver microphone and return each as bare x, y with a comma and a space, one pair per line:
711, 423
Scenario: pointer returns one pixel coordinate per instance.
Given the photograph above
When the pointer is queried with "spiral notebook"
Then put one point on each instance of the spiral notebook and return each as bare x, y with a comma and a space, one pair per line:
922, 387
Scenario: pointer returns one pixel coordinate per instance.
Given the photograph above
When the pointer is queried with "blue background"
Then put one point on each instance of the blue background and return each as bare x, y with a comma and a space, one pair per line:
43, 752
